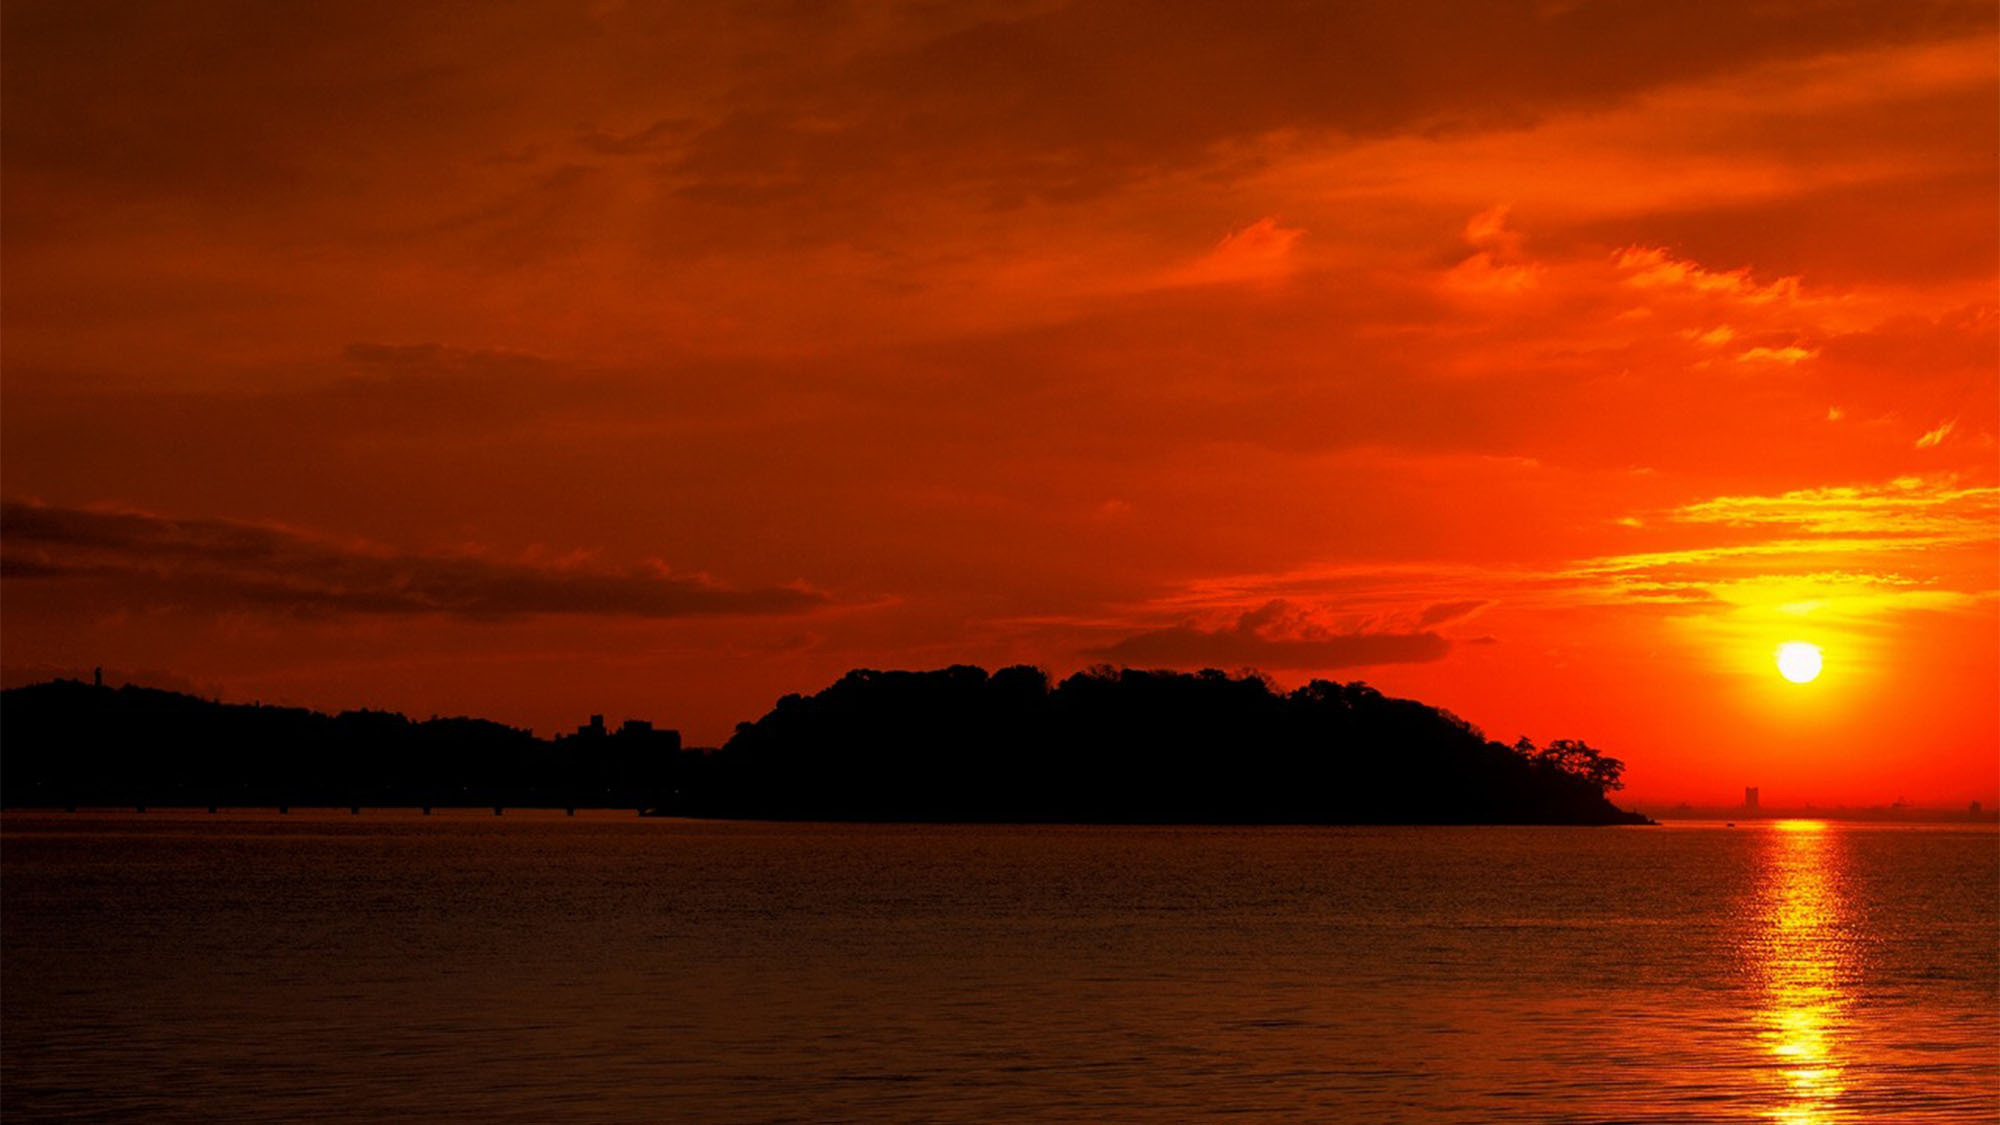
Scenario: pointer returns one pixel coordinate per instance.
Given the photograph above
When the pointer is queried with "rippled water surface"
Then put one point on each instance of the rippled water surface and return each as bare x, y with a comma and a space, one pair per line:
534, 967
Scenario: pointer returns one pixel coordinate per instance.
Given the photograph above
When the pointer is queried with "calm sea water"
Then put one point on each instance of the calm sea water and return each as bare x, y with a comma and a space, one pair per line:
537, 968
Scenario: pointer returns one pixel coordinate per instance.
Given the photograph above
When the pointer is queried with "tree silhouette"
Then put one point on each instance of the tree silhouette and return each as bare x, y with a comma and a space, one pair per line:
1105, 745
1113, 744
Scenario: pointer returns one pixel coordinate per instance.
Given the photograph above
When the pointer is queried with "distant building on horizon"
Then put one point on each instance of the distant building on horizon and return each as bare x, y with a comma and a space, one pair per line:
632, 736
1750, 796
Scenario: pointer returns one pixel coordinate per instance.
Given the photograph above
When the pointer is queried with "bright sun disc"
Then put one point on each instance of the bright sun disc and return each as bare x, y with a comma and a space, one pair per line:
1799, 662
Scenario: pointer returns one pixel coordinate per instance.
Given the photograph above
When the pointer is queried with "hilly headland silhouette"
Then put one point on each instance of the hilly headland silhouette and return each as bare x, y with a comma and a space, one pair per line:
954, 744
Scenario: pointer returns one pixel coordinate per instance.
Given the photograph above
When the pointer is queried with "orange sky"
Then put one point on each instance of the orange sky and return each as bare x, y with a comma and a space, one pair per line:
1551, 362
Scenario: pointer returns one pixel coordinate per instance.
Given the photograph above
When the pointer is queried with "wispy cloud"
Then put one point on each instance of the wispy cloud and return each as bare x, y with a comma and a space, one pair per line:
1850, 551
1848, 556
1935, 438
1934, 508
1261, 251
1650, 267
1788, 355
1444, 613
140, 559
1276, 635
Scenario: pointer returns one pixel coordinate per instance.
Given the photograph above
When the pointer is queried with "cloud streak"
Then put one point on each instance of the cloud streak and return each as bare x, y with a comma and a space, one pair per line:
1275, 636
1935, 508
150, 561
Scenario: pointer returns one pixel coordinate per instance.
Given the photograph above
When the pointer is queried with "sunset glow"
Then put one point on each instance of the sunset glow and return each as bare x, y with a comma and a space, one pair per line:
1799, 662
1552, 363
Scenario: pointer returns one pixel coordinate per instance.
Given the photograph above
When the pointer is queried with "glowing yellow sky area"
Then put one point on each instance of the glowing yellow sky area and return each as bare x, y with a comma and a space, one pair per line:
1549, 363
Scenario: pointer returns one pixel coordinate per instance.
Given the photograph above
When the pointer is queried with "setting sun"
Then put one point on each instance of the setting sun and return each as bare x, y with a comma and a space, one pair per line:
1799, 662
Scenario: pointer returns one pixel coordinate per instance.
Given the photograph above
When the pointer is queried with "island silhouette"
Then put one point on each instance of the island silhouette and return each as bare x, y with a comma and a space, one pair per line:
1107, 745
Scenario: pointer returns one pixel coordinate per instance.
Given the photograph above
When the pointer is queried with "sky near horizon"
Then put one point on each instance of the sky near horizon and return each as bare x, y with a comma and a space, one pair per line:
1550, 362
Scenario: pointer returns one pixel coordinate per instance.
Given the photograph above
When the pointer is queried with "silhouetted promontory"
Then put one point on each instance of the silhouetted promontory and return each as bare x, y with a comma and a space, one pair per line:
1131, 746
956, 744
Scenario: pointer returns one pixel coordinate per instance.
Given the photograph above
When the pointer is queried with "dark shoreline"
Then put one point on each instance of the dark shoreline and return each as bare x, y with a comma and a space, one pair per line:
481, 812
954, 745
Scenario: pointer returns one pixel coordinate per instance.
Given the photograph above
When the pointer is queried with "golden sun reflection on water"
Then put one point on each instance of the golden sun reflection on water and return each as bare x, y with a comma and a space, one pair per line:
1802, 952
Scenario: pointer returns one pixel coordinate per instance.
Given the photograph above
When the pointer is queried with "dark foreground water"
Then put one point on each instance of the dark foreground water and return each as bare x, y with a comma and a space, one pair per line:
531, 967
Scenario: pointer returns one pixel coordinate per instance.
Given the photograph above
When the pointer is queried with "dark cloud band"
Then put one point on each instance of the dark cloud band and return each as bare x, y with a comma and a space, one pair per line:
1247, 644
214, 564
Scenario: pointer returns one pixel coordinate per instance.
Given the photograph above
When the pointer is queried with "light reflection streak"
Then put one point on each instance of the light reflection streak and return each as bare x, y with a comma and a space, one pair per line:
1803, 956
